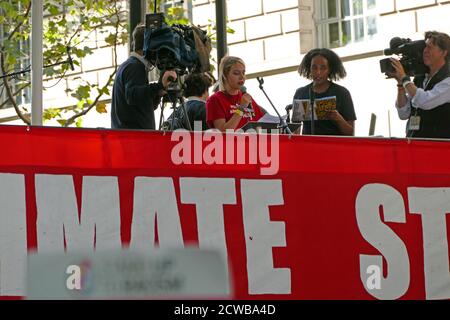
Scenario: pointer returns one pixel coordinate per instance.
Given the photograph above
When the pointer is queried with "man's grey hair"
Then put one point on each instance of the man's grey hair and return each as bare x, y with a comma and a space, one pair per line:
138, 38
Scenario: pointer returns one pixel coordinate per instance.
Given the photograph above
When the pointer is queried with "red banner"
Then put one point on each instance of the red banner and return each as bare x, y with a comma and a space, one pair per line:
299, 217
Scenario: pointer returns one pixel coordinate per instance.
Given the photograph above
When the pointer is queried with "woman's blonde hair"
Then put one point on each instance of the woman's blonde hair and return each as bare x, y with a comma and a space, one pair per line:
224, 68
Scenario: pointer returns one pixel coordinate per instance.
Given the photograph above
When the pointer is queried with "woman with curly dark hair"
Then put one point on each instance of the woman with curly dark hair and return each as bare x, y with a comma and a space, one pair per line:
323, 67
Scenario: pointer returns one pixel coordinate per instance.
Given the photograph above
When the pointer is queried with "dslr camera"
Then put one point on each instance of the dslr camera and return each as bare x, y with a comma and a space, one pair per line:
411, 56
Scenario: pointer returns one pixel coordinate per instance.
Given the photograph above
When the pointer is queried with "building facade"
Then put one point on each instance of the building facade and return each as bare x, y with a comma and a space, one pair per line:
272, 37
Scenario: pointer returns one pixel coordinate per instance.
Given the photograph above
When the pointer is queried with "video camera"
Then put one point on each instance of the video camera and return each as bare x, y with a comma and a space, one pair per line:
175, 47
411, 53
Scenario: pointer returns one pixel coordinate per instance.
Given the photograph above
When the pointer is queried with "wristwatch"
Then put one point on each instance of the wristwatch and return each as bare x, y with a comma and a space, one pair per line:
405, 79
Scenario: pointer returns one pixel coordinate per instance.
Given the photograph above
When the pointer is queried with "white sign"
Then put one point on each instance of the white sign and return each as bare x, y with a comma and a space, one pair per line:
161, 273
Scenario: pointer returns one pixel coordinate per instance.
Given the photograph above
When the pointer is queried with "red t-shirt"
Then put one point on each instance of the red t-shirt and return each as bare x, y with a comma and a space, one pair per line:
219, 106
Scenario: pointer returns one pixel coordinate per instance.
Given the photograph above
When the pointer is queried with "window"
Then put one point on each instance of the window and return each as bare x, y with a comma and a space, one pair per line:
342, 22
23, 62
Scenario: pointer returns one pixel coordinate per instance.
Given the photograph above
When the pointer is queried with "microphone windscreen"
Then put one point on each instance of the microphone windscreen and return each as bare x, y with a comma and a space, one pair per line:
395, 42
243, 89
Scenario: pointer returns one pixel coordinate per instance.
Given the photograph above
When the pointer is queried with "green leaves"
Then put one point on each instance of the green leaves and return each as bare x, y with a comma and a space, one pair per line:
79, 122
84, 25
175, 15
11, 60
81, 53
51, 113
8, 10
102, 91
111, 39
52, 9
82, 92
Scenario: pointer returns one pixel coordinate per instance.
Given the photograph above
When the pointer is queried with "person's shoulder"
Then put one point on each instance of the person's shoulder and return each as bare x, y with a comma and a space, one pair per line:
195, 104
216, 96
132, 64
338, 88
302, 91
131, 61
212, 99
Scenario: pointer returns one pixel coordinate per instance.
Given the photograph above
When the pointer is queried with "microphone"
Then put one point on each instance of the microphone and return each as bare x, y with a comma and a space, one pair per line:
394, 45
69, 59
288, 109
244, 90
283, 125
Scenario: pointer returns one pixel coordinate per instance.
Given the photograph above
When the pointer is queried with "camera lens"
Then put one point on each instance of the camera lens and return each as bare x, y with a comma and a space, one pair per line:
386, 66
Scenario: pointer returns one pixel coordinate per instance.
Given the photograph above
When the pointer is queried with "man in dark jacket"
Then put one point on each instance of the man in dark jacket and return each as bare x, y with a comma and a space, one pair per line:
134, 100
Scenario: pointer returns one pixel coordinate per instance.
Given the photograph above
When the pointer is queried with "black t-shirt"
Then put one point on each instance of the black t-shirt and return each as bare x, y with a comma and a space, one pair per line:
344, 105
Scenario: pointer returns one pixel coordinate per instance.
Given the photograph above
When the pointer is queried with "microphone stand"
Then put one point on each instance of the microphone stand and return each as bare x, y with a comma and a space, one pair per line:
174, 95
288, 110
283, 124
311, 100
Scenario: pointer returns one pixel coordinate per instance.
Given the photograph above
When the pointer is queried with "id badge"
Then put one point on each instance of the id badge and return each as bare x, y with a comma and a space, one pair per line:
414, 123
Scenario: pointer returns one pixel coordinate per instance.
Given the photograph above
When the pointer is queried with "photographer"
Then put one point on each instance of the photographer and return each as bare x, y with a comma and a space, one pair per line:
134, 99
426, 101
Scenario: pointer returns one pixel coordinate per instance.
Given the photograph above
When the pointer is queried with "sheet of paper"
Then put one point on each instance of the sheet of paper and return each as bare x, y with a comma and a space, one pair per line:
301, 109
268, 118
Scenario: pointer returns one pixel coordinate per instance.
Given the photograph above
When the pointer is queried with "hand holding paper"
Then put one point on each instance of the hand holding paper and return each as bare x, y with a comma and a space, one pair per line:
301, 110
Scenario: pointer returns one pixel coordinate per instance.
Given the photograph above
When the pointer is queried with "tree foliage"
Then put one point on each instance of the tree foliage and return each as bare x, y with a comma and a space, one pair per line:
67, 23
78, 24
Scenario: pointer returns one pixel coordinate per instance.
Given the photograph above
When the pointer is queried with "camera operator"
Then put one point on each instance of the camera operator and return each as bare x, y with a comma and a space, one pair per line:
134, 99
426, 101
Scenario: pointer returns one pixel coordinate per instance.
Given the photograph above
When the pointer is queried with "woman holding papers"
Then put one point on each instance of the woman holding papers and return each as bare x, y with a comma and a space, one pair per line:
231, 107
334, 112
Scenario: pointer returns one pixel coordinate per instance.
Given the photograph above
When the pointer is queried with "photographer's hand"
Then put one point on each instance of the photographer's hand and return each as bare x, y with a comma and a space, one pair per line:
399, 73
403, 79
168, 77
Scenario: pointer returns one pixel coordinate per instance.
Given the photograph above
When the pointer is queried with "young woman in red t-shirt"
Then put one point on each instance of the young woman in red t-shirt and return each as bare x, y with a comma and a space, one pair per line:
230, 108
